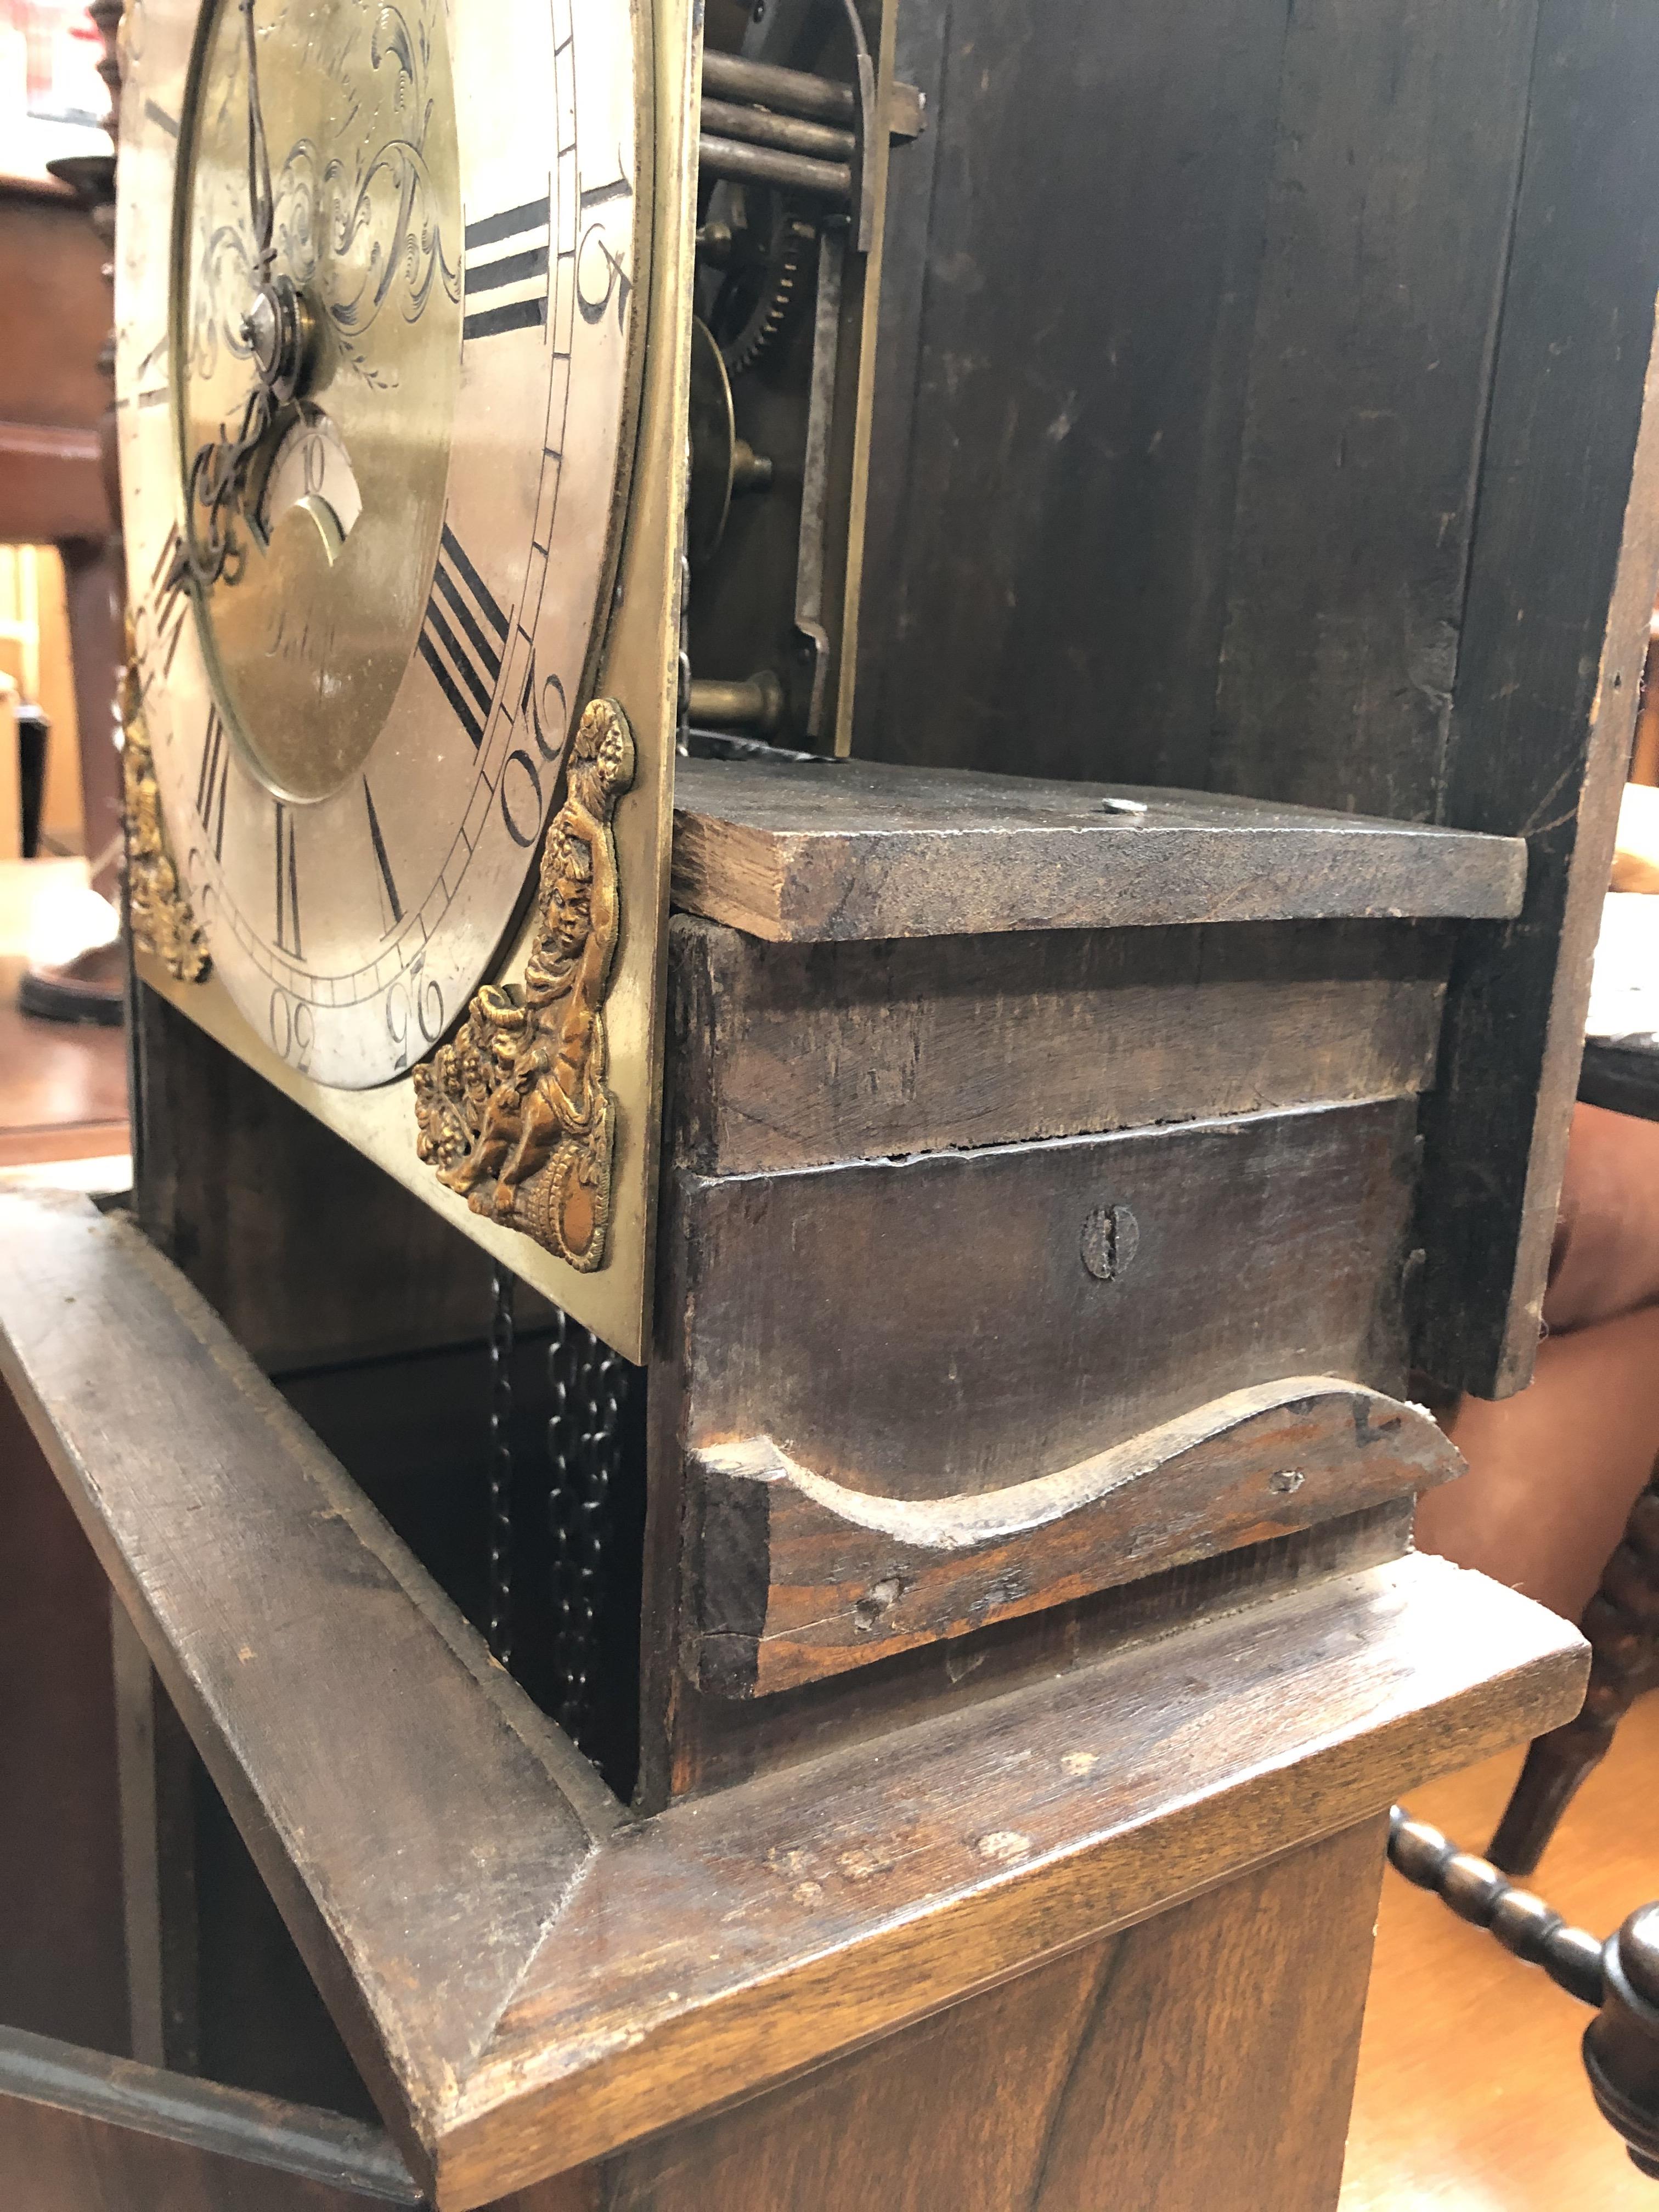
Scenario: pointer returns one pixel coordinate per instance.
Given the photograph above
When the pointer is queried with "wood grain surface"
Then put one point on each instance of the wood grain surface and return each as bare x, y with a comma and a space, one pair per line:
791, 1578
702, 1743
789, 1057
1326, 486
263, 1586
62, 1968
977, 1842
1050, 518
929, 1328
529, 1982
1385, 224
1206, 2056
81, 2132
1555, 639
839, 850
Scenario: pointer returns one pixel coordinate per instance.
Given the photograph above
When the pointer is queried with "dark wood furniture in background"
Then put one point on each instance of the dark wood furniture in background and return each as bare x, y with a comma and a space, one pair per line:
1619, 1975
53, 399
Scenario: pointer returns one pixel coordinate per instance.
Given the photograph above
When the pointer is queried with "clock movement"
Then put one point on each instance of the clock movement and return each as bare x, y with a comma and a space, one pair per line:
472, 385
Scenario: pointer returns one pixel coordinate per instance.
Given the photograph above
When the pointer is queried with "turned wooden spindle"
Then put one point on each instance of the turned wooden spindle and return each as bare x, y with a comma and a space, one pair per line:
1619, 1976
1621, 1622
1478, 1892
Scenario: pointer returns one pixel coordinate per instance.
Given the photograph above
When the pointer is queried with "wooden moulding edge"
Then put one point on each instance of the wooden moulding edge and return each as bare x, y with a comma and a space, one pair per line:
1351, 1693
685, 1963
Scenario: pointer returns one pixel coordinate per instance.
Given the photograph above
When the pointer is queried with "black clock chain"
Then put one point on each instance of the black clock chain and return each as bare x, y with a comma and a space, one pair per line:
586, 1385
587, 1388
498, 1620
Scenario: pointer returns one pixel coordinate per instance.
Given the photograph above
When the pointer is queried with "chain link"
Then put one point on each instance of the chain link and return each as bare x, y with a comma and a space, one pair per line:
588, 1383
499, 1625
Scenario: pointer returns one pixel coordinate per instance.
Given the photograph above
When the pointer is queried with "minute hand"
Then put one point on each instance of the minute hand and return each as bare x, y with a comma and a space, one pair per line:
261, 203
275, 328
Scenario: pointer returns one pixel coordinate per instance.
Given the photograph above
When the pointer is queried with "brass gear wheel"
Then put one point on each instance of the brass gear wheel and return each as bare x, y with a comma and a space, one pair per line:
793, 241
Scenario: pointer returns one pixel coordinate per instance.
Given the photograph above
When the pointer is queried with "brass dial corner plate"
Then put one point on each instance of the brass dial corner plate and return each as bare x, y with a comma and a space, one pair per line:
403, 313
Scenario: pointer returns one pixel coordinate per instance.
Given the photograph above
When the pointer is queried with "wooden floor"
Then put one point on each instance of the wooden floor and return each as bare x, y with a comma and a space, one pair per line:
63, 1085
1471, 2095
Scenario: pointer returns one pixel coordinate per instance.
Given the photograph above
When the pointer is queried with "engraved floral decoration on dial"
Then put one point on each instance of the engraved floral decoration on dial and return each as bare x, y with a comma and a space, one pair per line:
379, 372
320, 309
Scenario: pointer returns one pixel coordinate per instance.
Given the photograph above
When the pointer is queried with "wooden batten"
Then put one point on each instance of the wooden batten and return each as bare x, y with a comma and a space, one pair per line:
155, 2135
798, 1055
954, 1324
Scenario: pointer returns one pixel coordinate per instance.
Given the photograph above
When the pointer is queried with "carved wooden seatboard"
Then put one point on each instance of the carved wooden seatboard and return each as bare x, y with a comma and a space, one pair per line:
1039, 1221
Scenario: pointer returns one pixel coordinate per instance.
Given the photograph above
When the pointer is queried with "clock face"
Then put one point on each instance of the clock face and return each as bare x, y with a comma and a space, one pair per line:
377, 285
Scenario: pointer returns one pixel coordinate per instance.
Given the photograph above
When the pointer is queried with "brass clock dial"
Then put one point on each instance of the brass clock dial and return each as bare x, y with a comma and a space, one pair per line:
379, 305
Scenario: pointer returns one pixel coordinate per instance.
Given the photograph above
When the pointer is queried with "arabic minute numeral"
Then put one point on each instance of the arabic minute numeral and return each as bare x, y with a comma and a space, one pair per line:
292, 1029
427, 1000
601, 276
521, 788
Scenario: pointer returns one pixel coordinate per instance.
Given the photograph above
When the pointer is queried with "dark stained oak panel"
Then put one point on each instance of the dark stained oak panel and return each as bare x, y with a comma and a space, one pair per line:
1400, 127
1560, 596
1065, 339
861, 1317
790, 1057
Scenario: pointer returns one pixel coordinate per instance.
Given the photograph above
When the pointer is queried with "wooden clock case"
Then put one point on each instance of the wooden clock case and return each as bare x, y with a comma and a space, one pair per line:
1063, 1178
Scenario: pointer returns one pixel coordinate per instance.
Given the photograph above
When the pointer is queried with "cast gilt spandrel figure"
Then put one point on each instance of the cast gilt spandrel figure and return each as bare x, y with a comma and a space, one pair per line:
515, 1114
158, 910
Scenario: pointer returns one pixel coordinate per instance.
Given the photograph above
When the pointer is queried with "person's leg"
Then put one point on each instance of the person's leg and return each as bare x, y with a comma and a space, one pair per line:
1607, 1242
1554, 1471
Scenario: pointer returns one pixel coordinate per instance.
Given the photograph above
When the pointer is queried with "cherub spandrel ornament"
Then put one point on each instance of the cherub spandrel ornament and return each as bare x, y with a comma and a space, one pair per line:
514, 1113
158, 912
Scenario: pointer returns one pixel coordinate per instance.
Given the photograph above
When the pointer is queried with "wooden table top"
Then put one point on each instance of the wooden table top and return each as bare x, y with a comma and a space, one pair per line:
1621, 1031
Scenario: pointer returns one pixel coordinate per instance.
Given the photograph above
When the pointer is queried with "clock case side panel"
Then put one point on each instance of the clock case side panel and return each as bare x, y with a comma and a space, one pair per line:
637, 665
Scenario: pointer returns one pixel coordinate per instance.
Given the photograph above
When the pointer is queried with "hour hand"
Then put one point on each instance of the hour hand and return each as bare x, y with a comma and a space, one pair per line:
212, 551
281, 332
